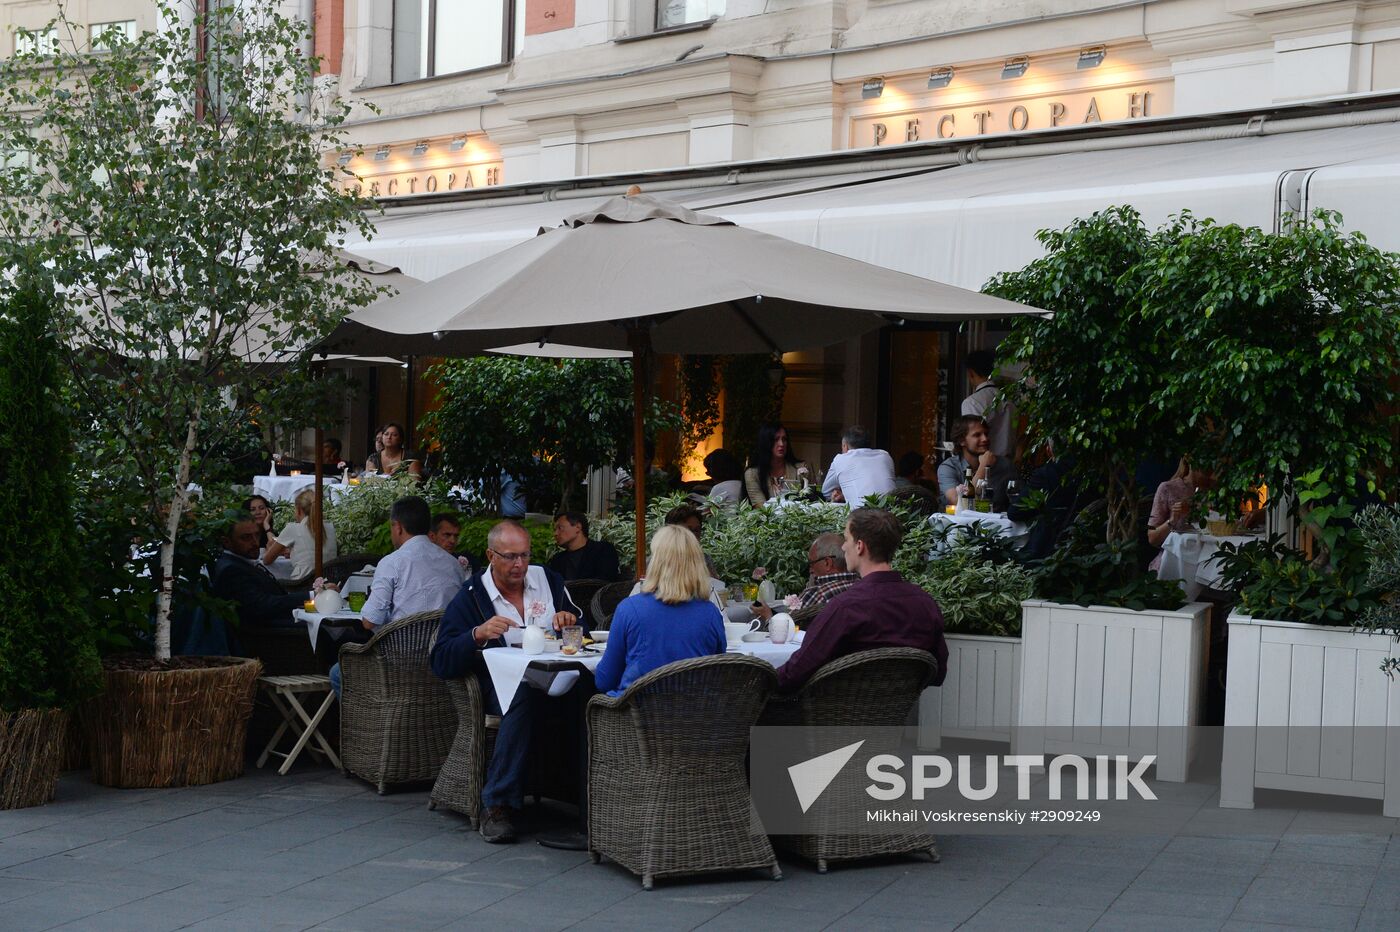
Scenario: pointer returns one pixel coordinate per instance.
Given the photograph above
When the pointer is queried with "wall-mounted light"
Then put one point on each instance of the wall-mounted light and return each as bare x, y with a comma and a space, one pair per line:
940, 77
381, 153
1092, 57
1015, 67
458, 144
344, 157
873, 87
421, 148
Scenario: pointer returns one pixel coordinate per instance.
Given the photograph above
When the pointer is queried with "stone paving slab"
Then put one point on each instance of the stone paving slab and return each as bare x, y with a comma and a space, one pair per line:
316, 850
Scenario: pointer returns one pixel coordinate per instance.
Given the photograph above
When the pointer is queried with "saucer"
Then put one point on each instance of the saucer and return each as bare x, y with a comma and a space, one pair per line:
753, 637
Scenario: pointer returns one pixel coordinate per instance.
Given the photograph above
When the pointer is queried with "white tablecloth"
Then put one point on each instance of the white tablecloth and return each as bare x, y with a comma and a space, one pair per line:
285, 488
313, 620
1004, 526
508, 667
1190, 558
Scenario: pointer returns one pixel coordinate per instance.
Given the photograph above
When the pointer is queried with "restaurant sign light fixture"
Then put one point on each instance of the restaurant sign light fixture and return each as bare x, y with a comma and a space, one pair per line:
872, 87
940, 77
344, 157
381, 153
1092, 57
421, 148
1015, 67
458, 144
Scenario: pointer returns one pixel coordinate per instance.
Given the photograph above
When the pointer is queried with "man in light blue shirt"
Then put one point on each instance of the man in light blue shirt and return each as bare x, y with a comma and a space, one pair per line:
419, 576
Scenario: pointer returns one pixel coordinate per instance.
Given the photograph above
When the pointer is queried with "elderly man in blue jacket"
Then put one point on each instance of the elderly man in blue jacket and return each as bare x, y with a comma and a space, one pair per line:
510, 593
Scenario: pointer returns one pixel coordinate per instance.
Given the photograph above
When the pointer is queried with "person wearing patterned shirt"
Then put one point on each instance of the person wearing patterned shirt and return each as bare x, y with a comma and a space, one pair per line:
827, 576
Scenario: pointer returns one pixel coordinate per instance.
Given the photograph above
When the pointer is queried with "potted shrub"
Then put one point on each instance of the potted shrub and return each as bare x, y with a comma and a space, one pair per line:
980, 588
178, 194
1110, 659
1310, 691
48, 660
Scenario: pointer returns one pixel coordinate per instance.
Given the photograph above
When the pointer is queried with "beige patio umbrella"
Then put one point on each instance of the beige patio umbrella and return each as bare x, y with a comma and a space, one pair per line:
642, 274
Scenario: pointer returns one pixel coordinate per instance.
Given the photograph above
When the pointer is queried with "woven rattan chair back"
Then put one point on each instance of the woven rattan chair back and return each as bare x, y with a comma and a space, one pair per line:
870, 688
605, 602
667, 783
873, 687
582, 592
397, 719
343, 567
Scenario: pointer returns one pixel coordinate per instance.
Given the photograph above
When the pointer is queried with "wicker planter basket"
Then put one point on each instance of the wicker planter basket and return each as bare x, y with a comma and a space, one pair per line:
31, 750
183, 726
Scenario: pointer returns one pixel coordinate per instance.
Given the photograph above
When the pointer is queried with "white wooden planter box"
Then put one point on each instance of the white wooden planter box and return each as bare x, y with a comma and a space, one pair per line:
1097, 680
978, 696
1307, 708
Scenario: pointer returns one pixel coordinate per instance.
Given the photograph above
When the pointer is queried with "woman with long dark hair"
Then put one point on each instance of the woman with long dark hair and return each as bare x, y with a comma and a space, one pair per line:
393, 457
773, 465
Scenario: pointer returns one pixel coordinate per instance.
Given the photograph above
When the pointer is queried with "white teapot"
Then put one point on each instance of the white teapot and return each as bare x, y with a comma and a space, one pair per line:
328, 601
532, 640
780, 628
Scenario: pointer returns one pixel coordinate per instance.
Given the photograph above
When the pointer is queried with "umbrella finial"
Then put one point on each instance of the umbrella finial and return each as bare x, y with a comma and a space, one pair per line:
635, 189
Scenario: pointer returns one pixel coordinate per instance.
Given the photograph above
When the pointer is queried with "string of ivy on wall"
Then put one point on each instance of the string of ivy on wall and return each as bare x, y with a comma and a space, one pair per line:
751, 396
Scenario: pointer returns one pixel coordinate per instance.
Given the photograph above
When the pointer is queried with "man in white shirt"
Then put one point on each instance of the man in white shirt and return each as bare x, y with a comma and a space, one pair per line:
419, 576
490, 611
983, 401
858, 470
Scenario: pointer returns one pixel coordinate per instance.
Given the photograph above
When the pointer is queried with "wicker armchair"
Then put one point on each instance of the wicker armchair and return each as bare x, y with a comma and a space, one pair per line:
582, 592
397, 719
343, 567
463, 774
668, 791
870, 688
605, 602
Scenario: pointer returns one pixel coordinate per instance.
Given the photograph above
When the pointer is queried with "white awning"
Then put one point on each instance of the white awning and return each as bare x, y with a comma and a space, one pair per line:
965, 223
430, 243
961, 225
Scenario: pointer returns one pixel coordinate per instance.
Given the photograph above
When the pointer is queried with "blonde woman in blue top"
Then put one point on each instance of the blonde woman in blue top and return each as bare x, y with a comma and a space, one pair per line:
671, 619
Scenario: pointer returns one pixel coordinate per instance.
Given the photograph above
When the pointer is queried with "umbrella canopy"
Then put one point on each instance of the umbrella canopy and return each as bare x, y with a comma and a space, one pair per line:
700, 283
644, 274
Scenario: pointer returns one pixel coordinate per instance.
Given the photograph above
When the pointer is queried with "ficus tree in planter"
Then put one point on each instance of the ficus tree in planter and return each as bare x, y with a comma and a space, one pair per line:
177, 190
1093, 371
1281, 350
523, 415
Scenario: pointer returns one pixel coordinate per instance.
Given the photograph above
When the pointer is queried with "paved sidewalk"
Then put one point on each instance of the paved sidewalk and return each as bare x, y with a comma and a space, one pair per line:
318, 850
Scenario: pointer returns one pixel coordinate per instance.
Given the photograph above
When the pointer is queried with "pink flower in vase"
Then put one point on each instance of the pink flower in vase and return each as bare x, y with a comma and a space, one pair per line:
793, 602
759, 572
464, 563
537, 610
318, 586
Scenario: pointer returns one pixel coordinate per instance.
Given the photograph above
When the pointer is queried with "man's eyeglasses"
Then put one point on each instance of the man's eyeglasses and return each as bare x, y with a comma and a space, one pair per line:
509, 558
812, 563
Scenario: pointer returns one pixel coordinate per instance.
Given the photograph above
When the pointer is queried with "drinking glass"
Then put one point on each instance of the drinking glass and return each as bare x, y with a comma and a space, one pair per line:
573, 640
356, 601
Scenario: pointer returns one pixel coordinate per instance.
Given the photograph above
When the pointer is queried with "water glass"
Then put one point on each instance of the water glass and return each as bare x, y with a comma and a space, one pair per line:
573, 640
356, 600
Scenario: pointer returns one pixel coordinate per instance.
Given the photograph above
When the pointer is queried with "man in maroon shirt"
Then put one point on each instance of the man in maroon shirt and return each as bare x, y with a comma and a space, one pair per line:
880, 610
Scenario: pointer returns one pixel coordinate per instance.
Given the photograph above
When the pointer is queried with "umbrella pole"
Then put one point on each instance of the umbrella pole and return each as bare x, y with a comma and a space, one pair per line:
641, 345
318, 532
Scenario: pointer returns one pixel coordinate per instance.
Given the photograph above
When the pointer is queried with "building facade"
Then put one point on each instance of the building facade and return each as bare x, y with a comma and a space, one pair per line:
514, 91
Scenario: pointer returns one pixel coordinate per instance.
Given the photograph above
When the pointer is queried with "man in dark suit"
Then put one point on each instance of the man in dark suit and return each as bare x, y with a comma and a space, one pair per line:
509, 594
241, 577
580, 557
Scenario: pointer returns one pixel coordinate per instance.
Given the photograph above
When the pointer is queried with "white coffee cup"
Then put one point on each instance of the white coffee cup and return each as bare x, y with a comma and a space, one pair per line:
780, 628
734, 631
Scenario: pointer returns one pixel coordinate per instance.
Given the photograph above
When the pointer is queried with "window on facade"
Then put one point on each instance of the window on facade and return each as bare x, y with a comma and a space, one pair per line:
433, 37
103, 36
36, 41
671, 13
